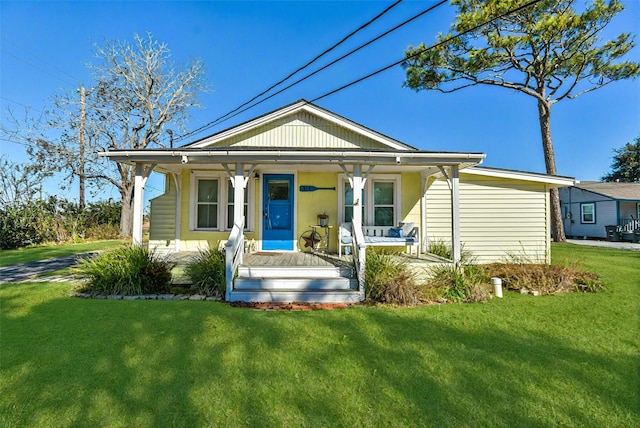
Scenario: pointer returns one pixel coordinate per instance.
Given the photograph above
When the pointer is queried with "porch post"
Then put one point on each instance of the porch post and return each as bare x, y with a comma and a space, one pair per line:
139, 181
238, 182
423, 215
357, 185
455, 213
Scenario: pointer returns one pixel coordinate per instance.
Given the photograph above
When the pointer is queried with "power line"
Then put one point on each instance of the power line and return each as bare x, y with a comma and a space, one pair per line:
344, 39
531, 3
39, 59
34, 66
225, 118
20, 104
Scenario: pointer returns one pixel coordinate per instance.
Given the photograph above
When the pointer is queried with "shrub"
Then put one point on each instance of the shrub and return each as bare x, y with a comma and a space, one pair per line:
387, 279
127, 271
546, 279
457, 283
442, 249
207, 271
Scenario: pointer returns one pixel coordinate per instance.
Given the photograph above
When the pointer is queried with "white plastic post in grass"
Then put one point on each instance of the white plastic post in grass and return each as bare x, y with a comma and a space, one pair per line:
497, 287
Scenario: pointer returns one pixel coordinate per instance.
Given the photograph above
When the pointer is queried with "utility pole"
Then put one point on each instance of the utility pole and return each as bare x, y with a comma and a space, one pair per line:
83, 95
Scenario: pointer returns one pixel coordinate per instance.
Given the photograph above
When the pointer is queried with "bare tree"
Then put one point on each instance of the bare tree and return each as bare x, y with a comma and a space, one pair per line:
19, 183
137, 91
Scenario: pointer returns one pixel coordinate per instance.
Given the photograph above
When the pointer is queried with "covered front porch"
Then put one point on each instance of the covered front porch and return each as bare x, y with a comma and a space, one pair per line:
304, 276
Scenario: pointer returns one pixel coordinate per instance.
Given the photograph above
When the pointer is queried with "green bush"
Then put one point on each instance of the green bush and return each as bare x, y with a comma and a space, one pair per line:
442, 249
127, 271
57, 220
207, 271
387, 279
457, 282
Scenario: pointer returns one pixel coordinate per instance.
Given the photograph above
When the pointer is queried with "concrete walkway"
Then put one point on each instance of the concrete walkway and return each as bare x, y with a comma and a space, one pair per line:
28, 271
607, 244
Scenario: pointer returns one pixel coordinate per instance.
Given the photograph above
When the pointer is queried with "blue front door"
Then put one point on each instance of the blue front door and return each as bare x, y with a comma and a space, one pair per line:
277, 212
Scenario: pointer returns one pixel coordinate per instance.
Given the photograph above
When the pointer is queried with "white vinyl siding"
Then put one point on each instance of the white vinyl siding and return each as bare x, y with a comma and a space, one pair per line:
499, 218
303, 130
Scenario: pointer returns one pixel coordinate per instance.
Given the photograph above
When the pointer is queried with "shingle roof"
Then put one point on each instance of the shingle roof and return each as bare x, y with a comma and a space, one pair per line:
627, 191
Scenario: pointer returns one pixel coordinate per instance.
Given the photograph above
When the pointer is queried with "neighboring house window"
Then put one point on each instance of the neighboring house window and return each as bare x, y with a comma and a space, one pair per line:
207, 204
588, 213
230, 205
380, 200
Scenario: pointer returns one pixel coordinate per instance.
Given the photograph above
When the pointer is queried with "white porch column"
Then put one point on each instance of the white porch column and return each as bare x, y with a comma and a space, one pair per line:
239, 182
357, 185
423, 215
455, 213
139, 181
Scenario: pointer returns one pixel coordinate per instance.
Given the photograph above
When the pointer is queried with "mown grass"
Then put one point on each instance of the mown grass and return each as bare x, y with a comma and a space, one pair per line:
44, 252
519, 361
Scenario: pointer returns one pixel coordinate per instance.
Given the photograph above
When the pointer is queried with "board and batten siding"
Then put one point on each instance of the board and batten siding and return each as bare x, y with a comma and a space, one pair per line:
302, 130
162, 227
499, 218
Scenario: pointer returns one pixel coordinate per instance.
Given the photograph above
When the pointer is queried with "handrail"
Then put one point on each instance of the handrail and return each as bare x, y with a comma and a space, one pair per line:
359, 255
234, 248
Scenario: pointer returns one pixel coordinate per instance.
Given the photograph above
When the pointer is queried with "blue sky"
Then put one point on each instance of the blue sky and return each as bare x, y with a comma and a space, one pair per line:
248, 46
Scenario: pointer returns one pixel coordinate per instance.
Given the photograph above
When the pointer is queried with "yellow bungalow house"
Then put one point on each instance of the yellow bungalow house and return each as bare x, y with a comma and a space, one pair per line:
260, 186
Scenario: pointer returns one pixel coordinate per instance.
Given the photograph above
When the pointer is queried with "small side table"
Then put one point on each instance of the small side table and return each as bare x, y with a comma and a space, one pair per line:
326, 235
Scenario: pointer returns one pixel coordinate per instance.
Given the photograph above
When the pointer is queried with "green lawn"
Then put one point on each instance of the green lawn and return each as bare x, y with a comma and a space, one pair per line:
520, 361
32, 254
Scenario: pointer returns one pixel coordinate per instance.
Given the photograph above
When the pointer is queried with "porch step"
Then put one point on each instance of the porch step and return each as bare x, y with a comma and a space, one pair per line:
294, 271
303, 283
289, 296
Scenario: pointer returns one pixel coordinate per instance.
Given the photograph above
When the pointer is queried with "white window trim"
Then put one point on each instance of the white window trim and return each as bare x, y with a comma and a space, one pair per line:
582, 220
223, 179
368, 194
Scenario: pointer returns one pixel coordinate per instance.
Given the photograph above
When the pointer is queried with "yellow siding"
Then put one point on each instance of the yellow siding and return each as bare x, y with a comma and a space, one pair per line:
310, 204
499, 218
162, 227
411, 189
302, 130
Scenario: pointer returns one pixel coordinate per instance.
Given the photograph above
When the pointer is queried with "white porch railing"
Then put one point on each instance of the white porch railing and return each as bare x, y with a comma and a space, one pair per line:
234, 248
359, 255
629, 225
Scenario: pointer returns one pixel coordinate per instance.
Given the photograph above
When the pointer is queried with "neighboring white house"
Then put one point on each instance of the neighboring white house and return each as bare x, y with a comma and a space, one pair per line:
588, 207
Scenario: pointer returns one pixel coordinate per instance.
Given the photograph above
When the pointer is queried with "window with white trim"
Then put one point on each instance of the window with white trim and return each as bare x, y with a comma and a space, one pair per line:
212, 202
381, 203
207, 204
588, 213
230, 205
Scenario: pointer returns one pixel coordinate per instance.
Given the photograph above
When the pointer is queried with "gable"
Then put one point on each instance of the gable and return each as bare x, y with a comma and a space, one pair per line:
301, 130
301, 125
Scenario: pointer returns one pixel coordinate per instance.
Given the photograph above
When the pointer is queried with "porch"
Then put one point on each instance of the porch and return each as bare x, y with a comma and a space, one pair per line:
303, 277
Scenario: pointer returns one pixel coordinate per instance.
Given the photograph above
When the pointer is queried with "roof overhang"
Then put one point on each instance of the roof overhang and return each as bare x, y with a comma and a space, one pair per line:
168, 160
552, 180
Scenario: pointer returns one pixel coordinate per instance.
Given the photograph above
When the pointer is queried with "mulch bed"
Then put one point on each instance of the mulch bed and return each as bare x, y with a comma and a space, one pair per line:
291, 306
